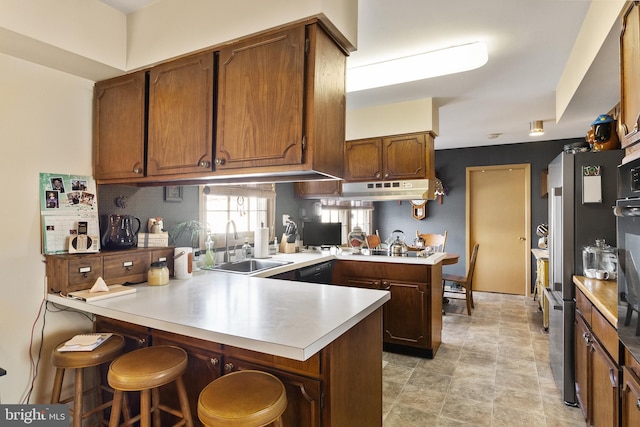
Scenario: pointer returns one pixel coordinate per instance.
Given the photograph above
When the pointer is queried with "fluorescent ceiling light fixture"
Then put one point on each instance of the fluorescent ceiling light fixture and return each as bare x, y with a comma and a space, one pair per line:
536, 128
440, 62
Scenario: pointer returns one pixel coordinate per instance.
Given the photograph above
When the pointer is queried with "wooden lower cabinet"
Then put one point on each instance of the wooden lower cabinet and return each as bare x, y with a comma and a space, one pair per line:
412, 319
204, 366
303, 394
630, 398
338, 386
596, 364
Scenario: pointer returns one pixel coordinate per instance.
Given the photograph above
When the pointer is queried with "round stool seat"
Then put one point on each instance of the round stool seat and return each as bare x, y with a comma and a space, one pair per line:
147, 368
105, 352
242, 398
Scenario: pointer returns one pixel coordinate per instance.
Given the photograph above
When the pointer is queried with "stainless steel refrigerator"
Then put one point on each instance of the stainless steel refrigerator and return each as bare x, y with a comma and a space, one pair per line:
576, 219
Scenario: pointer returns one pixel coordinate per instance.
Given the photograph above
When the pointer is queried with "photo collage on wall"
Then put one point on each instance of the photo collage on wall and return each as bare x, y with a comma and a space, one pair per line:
66, 201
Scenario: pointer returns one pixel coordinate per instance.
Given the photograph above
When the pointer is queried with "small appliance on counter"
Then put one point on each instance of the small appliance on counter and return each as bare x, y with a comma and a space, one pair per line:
121, 232
599, 261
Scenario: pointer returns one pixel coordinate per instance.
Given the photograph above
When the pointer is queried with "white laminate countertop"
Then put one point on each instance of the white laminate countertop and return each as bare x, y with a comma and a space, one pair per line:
284, 318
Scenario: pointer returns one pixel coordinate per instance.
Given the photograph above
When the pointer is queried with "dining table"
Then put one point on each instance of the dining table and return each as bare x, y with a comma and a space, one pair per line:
450, 258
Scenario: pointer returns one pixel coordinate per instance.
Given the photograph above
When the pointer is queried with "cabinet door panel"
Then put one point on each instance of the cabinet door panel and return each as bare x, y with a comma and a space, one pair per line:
203, 366
630, 399
583, 348
605, 388
405, 317
260, 101
119, 127
630, 73
317, 189
404, 157
363, 160
181, 116
303, 394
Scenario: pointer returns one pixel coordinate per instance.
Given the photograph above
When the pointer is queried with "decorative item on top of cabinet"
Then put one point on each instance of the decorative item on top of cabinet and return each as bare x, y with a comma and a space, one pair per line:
119, 109
181, 116
292, 105
629, 120
409, 156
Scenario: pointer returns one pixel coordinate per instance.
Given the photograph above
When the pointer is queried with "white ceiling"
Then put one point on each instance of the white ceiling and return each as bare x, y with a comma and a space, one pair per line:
528, 42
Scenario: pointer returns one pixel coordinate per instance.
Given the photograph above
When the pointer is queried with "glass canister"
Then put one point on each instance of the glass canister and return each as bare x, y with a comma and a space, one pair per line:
599, 261
158, 274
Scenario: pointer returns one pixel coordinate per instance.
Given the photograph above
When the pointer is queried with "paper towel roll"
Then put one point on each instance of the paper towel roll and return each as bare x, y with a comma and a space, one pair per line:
261, 243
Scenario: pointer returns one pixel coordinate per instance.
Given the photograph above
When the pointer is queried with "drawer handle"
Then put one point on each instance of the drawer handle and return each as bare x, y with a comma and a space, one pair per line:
586, 338
228, 367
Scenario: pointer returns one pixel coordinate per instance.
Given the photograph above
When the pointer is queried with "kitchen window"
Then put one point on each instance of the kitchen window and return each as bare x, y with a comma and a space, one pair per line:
350, 214
248, 206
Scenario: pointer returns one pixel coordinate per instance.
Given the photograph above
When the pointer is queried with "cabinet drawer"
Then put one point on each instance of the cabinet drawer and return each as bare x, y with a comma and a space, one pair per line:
583, 305
83, 273
606, 334
310, 366
129, 267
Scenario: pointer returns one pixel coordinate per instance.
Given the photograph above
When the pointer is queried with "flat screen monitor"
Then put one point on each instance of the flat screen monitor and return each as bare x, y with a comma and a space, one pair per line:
322, 234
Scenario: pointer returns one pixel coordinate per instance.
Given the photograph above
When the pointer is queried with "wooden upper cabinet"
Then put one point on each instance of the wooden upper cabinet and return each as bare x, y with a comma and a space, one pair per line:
630, 76
119, 127
181, 116
261, 100
317, 189
363, 160
396, 157
271, 105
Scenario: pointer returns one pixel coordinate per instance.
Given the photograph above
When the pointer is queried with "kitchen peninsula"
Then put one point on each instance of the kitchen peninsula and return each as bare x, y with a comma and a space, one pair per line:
324, 342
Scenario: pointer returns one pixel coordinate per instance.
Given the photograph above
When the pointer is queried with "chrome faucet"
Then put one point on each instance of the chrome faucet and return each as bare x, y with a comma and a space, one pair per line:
227, 253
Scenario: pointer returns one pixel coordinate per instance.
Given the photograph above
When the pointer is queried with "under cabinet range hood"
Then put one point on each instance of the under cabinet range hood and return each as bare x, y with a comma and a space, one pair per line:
412, 189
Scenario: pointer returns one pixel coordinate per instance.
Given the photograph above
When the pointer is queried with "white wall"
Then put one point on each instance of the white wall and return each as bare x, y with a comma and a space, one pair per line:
45, 126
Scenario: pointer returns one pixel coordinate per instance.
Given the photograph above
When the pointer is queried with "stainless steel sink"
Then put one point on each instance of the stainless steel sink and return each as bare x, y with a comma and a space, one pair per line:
249, 266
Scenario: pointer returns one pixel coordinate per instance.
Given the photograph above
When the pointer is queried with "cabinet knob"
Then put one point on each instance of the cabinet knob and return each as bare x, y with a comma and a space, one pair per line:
137, 169
219, 161
228, 367
378, 174
585, 336
638, 403
386, 285
205, 163
214, 361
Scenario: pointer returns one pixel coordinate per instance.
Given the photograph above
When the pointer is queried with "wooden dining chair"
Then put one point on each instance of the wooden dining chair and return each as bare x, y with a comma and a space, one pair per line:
464, 283
437, 241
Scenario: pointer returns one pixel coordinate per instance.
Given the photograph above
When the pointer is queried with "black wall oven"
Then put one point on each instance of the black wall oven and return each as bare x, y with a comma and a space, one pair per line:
627, 211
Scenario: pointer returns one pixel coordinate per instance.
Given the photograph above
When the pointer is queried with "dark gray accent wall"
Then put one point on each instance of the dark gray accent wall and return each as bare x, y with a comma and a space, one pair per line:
450, 215
148, 202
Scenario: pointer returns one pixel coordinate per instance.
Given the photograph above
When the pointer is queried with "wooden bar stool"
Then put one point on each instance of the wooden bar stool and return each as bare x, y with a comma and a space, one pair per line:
243, 399
79, 360
145, 370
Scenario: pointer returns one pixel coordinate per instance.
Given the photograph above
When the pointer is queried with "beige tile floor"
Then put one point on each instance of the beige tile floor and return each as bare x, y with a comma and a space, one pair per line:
492, 369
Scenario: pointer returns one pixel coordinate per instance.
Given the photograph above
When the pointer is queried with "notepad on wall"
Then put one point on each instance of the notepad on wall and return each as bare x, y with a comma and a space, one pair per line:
85, 342
114, 291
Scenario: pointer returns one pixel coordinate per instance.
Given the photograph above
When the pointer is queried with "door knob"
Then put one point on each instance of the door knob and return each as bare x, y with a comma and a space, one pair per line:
522, 239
